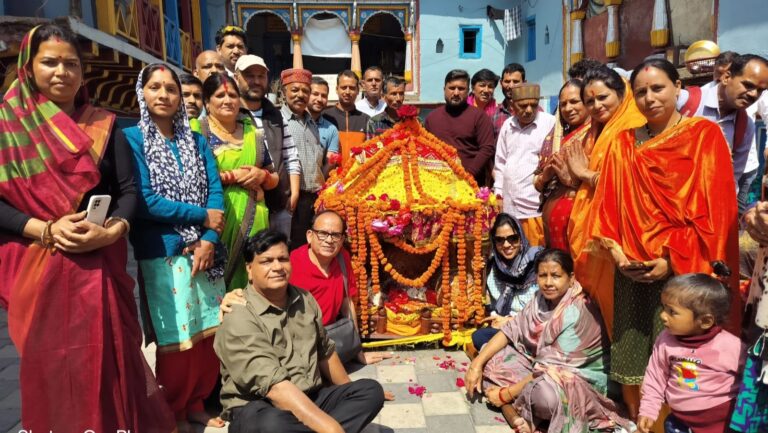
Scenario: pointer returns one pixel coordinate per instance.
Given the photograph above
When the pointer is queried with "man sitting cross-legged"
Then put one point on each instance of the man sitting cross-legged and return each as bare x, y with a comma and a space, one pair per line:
275, 355
322, 275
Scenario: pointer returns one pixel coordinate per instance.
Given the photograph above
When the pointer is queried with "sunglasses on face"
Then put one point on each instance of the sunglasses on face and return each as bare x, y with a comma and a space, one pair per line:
512, 239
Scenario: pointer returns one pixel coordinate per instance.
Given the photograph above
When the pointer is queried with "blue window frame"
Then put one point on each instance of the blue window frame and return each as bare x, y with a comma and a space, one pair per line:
531, 38
470, 42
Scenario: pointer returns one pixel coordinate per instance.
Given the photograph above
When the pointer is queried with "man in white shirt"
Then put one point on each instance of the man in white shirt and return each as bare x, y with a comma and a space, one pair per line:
725, 104
517, 156
372, 102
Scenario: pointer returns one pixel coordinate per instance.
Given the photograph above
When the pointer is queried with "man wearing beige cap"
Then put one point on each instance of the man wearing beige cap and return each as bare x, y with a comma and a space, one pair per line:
517, 156
306, 136
251, 77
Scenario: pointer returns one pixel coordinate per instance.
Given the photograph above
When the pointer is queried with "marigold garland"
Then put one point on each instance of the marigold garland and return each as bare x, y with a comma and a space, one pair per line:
448, 208
461, 259
478, 264
362, 280
445, 289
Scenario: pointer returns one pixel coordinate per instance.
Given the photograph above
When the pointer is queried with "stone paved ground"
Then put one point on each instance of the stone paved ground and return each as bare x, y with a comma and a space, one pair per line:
442, 408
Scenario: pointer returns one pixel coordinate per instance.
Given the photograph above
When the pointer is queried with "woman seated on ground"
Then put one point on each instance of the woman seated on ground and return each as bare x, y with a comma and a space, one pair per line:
511, 279
545, 369
552, 177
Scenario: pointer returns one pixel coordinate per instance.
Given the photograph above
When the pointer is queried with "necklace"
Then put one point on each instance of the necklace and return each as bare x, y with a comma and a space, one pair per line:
216, 124
651, 134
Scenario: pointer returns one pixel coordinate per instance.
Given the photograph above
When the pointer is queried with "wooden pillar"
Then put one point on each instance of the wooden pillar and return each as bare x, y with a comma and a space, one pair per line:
354, 36
298, 61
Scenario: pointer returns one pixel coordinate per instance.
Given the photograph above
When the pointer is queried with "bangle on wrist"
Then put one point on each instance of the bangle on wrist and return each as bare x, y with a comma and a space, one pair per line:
46, 236
110, 220
501, 396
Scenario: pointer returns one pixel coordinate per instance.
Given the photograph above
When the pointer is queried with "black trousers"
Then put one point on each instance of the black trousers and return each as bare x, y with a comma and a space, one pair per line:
354, 405
302, 218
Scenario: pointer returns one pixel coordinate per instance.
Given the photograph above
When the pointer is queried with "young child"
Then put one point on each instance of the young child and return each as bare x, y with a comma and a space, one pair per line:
695, 363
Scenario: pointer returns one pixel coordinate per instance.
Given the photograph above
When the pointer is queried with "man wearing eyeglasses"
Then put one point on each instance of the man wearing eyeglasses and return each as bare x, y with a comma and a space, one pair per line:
322, 274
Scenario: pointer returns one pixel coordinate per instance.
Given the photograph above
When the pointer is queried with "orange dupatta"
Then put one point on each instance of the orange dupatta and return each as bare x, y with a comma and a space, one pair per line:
674, 196
627, 116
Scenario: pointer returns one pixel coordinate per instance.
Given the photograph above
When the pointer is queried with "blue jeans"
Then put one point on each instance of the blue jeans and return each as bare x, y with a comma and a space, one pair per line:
745, 185
482, 336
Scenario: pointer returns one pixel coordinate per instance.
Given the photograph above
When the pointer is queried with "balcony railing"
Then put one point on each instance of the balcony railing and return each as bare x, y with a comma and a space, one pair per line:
142, 23
186, 50
172, 42
150, 25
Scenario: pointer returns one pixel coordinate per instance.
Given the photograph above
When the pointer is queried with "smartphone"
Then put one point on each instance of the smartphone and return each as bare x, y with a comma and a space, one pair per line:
98, 206
636, 266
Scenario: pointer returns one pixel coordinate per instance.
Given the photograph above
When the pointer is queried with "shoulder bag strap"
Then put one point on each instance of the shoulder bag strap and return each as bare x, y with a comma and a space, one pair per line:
343, 266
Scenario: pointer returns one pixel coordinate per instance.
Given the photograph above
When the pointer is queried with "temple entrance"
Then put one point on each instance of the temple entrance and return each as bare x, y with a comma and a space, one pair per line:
325, 47
269, 38
382, 44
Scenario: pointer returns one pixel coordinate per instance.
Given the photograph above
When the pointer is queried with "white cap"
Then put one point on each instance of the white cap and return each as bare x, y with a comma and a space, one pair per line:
248, 60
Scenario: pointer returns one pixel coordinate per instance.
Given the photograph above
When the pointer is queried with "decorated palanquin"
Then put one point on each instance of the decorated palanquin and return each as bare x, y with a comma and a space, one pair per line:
416, 223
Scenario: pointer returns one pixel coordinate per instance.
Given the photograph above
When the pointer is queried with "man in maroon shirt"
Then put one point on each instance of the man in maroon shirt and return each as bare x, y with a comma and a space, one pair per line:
464, 127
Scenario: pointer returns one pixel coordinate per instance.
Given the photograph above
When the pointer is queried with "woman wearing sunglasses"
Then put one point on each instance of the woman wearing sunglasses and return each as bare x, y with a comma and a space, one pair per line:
511, 277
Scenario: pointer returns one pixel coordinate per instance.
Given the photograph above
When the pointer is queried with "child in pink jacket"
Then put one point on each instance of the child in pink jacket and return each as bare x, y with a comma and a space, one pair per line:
695, 363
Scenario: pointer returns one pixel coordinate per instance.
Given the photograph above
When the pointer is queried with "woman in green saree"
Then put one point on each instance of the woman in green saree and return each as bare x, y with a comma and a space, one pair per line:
245, 168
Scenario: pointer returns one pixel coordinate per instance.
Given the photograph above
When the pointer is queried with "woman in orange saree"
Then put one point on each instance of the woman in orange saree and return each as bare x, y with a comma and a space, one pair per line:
552, 177
665, 204
71, 309
611, 106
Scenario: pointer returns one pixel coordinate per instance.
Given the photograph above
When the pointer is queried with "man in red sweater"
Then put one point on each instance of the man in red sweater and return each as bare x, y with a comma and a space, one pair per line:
464, 127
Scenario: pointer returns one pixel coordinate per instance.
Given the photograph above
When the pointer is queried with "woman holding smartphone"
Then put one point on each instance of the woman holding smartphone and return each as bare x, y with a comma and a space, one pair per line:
179, 220
665, 204
71, 310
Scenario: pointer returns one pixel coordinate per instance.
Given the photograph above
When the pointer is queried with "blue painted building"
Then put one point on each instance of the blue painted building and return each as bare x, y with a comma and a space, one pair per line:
743, 28
459, 34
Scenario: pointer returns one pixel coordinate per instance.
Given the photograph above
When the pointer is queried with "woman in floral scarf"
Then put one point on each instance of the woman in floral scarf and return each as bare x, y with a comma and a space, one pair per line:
546, 366
178, 225
512, 277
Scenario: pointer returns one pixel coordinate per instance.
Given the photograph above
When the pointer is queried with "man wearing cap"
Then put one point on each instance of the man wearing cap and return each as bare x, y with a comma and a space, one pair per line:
464, 127
230, 43
517, 156
251, 77
306, 136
